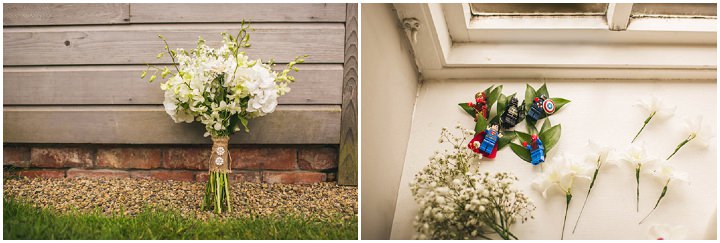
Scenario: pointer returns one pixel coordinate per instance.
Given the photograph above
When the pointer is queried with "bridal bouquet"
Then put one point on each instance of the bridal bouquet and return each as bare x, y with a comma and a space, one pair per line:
457, 201
223, 89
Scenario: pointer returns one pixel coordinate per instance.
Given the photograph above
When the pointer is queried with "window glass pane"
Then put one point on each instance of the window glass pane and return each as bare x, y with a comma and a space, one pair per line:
538, 9
674, 9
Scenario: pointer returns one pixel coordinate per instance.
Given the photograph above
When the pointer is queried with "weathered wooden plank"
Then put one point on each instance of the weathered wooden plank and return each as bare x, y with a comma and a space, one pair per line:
348, 167
299, 124
62, 85
138, 44
23, 14
227, 12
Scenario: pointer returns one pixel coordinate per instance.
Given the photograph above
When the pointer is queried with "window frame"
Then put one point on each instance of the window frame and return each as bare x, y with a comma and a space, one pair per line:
450, 46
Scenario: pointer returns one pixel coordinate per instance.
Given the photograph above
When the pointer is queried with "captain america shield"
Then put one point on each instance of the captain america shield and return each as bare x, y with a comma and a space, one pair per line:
549, 106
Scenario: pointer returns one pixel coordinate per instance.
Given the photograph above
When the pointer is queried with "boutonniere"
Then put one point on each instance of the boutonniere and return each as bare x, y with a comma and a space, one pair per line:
655, 109
535, 145
489, 138
695, 131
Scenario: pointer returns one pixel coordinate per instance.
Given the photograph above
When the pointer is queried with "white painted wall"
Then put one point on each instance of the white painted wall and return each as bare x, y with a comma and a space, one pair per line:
389, 87
601, 110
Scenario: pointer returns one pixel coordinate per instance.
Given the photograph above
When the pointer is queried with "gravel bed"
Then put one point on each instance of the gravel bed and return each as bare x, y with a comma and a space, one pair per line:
322, 200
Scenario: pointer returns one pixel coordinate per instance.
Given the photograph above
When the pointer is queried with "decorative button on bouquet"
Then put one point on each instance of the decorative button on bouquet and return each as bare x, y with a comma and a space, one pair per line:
223, 89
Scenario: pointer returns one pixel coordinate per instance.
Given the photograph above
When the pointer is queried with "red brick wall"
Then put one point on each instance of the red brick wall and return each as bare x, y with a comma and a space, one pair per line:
252, 163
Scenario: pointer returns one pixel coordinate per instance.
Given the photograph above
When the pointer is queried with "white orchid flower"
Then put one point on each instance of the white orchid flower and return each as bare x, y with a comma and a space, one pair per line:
667, 232
598, 155
696, 131
561, 174
636, 156
656, 109
666, 173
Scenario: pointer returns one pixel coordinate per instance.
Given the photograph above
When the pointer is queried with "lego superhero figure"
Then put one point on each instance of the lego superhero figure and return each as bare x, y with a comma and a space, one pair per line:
541, 107
492, 134
512, 113
537, 150
480, 105
485, 142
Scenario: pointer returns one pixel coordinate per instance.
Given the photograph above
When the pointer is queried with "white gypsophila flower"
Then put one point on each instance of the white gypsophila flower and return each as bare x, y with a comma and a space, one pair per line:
656, 108
667, 232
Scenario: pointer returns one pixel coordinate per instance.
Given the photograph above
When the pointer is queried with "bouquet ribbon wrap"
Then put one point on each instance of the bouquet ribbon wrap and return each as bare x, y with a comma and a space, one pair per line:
220, 150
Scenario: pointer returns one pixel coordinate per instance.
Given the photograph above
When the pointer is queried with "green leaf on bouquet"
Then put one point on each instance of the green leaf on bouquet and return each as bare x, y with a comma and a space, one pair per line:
521, 152
508, 137
550, 137
559, 103
244, 123
531, 126
529, 96
481, 124
523, 137
546, 125
543, 91
470, 110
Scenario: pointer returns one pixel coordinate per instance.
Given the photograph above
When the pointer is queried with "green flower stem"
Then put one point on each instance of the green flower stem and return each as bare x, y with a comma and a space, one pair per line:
643, 127
592, 183
568, 197
637, 194
688, 139
658, 201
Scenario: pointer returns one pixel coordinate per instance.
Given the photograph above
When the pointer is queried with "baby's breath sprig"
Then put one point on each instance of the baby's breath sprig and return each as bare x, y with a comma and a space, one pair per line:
459, 202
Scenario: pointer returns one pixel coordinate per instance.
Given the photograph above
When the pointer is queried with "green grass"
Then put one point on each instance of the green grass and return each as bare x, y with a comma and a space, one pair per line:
22, 221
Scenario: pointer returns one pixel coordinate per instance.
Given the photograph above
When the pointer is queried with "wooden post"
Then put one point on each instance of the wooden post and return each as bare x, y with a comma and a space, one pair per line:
348, 162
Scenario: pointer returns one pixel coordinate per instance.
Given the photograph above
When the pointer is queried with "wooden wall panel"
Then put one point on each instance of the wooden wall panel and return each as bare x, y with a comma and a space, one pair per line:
24, 14
348, 161
106, 85
138, 44
294, 124
223, 12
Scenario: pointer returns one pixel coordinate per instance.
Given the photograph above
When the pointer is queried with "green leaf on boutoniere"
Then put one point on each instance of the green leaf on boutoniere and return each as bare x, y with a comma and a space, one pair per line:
523, 137
493, 97
546, 125
508, 137
468, 109
531, 126
501, 104
550, 137
529, 96
543, 91
559, 103
481, 124
521, 152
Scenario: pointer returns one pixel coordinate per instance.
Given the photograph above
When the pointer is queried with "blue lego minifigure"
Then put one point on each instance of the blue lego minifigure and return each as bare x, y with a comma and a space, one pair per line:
491, 137
536, 111
537, 150
541, 107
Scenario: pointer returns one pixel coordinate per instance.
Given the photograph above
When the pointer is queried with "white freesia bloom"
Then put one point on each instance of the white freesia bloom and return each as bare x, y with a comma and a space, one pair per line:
700, 133
599, 154
636, 156
665, 172
561, 174
656, 108
667, 232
